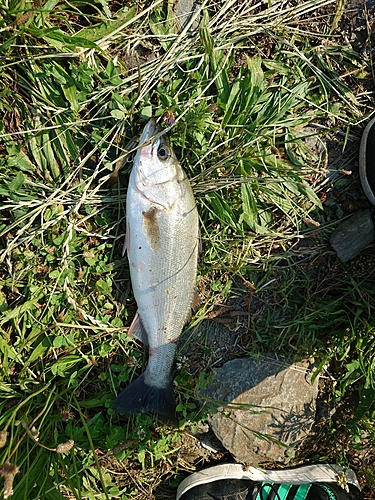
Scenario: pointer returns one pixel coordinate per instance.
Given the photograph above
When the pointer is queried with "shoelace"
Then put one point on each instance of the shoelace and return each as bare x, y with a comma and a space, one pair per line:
265, 489
262, 492
281, 491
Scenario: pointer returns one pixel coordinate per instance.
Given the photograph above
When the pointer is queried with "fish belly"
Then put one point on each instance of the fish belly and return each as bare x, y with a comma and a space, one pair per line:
163, 253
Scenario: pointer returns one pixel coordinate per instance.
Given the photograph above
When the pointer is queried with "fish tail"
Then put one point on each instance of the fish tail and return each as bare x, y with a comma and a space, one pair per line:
140, 397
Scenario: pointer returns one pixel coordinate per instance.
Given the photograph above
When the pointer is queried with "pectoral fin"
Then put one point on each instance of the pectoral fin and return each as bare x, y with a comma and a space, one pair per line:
151, 228
125, 248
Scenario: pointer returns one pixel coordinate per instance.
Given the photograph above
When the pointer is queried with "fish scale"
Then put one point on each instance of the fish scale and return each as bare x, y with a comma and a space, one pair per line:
162, 245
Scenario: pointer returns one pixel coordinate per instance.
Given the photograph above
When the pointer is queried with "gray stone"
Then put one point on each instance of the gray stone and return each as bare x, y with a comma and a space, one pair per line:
184, 11
283, 405
313, 140
352, 235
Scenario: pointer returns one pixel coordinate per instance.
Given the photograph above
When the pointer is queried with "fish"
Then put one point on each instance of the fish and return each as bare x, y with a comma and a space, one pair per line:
162, 244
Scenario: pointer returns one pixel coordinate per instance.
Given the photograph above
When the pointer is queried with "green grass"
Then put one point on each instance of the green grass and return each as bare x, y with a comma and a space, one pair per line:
234, 97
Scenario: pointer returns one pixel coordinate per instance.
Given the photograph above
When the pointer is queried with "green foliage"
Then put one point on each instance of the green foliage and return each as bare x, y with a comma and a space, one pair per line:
72, 100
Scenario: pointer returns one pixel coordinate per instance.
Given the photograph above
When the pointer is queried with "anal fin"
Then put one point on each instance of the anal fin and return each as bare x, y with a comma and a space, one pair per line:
137, 330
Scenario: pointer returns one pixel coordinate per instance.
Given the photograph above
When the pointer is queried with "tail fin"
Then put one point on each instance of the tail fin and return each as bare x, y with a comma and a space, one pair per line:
139, 397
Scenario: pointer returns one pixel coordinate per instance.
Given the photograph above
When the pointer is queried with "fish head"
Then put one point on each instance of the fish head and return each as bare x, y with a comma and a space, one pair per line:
156, 172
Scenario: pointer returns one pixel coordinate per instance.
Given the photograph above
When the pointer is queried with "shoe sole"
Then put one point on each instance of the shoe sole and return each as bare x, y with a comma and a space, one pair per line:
302, 475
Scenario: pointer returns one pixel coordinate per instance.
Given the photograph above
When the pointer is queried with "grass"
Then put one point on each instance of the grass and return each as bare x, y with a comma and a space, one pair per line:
78, 82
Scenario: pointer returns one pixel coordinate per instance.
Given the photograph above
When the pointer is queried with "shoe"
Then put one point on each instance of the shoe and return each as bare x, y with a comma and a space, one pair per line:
367, 161
234, 482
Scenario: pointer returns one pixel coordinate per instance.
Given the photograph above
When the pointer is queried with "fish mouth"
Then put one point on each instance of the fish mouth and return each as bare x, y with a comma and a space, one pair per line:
149, 131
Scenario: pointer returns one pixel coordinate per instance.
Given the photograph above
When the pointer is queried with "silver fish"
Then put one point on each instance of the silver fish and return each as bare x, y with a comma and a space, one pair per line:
162, 240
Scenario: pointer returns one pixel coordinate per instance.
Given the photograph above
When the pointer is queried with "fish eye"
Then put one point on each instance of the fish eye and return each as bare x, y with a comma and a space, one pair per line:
164, 153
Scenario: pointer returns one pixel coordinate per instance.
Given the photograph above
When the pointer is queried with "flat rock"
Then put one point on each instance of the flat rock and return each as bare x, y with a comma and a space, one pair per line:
184, 11
352, 235
282, 403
